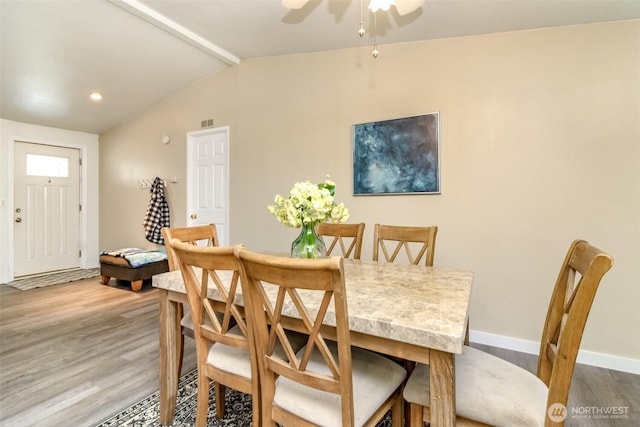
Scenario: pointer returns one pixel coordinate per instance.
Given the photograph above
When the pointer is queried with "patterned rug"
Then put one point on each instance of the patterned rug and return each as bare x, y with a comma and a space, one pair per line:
53, 279
146, 412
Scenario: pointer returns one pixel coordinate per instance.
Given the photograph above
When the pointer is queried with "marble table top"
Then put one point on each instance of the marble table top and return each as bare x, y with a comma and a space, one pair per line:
425, 306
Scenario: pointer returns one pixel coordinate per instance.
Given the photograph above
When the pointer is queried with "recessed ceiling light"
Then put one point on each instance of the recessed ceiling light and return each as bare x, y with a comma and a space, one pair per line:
96, 96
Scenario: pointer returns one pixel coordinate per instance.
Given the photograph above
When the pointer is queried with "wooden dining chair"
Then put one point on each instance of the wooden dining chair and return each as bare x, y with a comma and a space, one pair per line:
327, 382
222, 343
491, 391
421, 240
203, 235
348, 237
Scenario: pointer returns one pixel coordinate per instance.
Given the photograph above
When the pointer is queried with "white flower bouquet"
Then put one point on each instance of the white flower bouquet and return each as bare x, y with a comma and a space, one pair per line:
309, 204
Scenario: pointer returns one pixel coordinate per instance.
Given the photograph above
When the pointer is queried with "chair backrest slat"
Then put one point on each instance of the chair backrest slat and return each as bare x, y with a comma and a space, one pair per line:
403, 237
348, 237
203, 268
204, 235
574, 292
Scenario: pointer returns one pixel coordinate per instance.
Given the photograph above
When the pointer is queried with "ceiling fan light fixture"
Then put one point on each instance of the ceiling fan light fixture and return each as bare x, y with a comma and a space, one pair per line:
376, 5
406, 7
95, 96
294, 4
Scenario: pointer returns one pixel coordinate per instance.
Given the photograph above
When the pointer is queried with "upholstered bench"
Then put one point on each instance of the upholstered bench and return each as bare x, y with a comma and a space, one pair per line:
132, 264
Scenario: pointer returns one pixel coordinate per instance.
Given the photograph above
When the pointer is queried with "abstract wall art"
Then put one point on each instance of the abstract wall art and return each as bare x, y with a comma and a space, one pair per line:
398, 156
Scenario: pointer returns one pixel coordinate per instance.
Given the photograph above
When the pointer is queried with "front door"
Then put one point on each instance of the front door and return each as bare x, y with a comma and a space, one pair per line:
46, 208
208, 180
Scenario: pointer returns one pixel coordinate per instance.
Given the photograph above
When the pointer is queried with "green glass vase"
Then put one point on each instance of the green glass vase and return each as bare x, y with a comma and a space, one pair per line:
308, 244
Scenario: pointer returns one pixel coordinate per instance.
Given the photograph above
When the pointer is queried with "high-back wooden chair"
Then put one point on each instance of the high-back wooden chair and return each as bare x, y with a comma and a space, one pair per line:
348, 237
222, 342
327, 382
417, 242
491, 391
204, 235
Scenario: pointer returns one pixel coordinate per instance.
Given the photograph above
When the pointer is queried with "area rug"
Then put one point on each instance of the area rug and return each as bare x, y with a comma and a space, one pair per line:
146, 412
54, 279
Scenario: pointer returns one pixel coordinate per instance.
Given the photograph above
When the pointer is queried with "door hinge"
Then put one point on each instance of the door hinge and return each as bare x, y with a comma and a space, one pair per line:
80, 254
80, 208
80, 161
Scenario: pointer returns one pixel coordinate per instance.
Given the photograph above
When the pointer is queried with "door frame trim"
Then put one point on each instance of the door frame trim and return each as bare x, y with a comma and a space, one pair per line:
85, 259
189, 169
79, 229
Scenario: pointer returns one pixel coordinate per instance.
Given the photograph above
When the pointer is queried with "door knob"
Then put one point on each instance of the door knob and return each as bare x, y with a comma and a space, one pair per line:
18, 219
194, 216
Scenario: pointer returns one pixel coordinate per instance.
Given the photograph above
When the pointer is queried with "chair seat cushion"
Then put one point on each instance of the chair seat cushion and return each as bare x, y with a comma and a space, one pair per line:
231, 359
488, 389
187, 319
238, 360
375, 378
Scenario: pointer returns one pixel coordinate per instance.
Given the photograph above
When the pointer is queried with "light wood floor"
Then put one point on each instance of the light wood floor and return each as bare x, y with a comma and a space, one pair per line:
73, 354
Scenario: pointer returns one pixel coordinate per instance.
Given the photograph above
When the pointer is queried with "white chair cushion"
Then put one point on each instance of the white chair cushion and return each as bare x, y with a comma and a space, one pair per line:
488, 389
375, 378
238, 361
187, 319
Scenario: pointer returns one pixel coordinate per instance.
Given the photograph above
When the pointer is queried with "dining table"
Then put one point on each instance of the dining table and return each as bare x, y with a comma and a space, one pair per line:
411, 312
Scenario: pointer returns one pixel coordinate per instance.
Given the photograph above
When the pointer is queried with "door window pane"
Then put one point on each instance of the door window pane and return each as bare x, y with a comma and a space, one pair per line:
39, 165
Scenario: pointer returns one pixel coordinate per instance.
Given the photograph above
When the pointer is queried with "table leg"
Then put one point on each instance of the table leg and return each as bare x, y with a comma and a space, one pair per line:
442, 384
169, 362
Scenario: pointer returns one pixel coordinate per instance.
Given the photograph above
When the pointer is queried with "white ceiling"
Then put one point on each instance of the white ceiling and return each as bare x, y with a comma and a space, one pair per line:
54, 53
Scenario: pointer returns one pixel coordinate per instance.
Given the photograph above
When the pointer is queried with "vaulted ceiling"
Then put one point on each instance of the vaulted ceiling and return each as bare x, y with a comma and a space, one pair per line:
136, 52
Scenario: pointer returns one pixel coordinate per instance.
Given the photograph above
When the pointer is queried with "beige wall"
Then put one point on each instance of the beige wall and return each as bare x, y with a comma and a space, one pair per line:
540, 143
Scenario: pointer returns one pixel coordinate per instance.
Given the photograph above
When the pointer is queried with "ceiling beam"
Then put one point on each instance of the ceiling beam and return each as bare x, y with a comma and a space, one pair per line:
145, 12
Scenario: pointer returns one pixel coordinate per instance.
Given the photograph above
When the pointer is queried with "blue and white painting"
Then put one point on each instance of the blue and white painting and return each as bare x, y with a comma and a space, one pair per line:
397, 156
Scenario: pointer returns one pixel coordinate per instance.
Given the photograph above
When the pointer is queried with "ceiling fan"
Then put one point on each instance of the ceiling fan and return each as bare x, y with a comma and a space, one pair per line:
402, 6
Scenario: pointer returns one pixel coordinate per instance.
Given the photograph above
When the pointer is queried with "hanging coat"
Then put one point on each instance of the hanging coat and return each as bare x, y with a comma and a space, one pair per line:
157, 213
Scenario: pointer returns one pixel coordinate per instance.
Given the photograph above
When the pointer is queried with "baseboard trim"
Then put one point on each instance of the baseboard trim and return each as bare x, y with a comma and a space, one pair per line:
585, 357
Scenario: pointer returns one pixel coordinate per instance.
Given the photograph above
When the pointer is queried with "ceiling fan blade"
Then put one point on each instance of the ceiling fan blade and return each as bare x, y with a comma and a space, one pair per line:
294, 4
407, 6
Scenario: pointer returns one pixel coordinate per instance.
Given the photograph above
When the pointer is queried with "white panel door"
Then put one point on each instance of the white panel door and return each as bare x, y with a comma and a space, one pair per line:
46, 208
208, 179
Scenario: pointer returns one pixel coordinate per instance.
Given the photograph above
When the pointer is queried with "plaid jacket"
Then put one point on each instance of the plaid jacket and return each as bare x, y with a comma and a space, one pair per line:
157, 215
